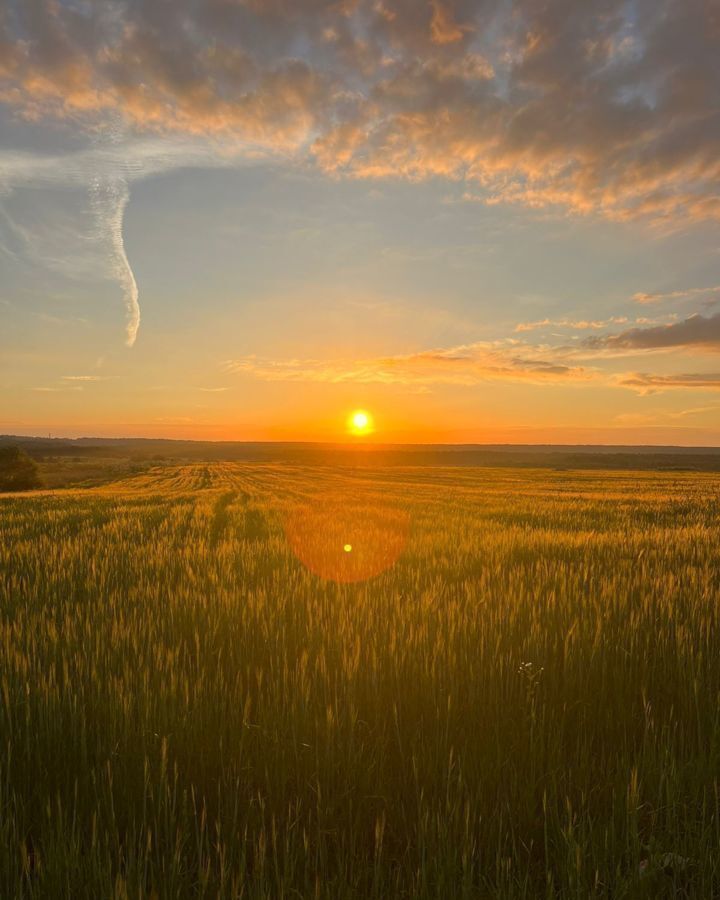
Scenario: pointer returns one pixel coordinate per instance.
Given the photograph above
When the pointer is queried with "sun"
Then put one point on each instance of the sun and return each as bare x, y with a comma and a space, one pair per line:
360, 422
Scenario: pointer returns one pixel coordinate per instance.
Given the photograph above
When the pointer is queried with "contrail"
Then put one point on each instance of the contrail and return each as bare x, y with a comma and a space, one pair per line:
107, 171
110, 198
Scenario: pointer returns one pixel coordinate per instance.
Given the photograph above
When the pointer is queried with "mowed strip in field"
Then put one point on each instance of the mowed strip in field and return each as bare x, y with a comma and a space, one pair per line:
524, 702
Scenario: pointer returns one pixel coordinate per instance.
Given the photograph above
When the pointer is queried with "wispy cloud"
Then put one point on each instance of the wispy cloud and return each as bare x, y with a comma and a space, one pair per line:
72, 383
665, 415
645, 383
109, 199
88, 378
57, 389
686, 294
463, 365
511, 360
693, 411
574, 325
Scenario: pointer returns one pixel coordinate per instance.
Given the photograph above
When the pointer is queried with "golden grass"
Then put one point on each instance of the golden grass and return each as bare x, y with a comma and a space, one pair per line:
526, 704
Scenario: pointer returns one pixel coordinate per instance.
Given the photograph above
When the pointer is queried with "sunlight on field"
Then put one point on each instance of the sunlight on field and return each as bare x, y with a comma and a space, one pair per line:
517, 696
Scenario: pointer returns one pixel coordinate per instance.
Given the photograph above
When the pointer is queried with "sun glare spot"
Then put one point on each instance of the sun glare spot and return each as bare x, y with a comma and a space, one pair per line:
346, 536
360, 422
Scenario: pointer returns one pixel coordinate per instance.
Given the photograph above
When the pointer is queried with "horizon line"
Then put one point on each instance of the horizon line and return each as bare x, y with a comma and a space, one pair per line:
373, 446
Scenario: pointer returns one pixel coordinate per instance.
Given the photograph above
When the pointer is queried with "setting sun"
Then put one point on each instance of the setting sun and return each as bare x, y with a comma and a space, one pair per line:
360, 422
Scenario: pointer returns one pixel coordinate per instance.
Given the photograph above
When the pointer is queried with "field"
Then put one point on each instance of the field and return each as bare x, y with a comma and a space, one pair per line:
523, 701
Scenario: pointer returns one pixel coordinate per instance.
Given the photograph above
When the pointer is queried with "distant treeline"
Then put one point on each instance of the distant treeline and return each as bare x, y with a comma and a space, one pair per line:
699, 459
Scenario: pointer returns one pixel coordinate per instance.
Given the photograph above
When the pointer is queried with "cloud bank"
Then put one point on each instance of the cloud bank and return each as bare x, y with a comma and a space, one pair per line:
513, 360
693, 332
608, 109
464, 365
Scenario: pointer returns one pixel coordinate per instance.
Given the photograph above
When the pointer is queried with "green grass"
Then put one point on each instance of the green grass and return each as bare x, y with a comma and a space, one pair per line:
526, 704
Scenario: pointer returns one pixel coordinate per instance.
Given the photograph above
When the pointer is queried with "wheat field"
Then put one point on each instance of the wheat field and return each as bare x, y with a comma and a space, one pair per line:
508, 686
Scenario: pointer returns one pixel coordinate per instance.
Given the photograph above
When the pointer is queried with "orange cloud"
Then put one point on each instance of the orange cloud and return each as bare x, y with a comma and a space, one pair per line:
443, 28
567, 106
579, 325
512, 360
648, 298
646, 383
464, 365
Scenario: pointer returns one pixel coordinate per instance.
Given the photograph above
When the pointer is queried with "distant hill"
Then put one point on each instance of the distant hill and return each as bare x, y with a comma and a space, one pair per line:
528, 455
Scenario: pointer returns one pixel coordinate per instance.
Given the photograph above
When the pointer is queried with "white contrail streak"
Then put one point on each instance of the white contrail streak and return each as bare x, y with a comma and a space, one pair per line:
124, 271
110, 198
107, 171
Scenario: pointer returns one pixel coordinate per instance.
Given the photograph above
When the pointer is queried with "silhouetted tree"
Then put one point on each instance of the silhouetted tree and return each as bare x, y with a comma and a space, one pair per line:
18, 471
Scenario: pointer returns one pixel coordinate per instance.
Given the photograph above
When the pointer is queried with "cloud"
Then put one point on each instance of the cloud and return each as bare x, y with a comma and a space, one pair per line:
695, 331
92, 378
693, 411
443, 28
515, 360
575, 325
610, 110
510, 360
109, 200
646, 383
649, 298
56, 389
664, 415
464, 365
72, 383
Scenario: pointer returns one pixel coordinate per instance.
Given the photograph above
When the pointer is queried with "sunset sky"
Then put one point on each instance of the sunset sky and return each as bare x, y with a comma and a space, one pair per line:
480, 220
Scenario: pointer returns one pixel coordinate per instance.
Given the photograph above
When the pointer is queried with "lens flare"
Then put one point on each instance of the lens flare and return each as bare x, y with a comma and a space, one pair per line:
346, 539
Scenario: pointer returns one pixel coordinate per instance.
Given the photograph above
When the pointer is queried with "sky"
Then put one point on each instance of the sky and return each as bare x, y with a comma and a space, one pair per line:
480, 220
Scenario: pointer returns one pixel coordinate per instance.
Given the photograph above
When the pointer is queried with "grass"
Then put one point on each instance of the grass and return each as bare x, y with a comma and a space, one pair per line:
78, 471
525, 704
